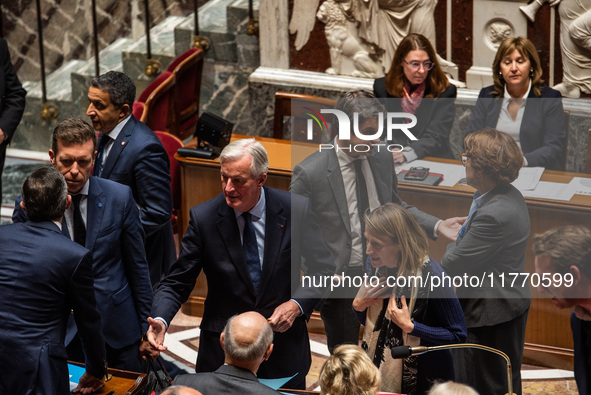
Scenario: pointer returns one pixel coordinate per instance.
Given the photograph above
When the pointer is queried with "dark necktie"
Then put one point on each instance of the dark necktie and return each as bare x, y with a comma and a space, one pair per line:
251, 250
79, 227
98, 165
362, 199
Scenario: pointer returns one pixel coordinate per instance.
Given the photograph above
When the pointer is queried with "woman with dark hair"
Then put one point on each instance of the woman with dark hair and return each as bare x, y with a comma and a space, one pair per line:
401, 309
491, 246
416, 84
520, 105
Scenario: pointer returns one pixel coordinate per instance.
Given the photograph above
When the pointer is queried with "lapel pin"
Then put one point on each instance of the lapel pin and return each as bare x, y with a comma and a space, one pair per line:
123, 143
100, 205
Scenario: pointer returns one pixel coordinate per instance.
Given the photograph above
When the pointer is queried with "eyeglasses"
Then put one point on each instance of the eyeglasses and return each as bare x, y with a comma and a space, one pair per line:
464, 158
415, 65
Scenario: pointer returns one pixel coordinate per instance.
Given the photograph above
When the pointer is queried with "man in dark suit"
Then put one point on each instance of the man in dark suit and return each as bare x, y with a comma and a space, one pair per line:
111, 230
329, 178
43, 275
249, 241
247, 341
131, 154
560, 253
12, 103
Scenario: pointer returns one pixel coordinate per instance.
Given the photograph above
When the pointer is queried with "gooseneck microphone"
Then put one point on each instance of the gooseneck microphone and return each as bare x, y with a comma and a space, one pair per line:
407, 351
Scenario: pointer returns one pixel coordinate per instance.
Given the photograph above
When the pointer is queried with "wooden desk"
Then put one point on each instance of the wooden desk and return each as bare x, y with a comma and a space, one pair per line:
122, 382
548, 335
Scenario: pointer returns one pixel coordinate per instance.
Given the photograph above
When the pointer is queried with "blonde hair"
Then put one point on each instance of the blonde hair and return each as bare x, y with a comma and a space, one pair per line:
349, 371
394, 221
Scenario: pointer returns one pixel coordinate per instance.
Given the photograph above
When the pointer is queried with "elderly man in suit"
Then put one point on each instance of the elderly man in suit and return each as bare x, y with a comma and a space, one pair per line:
131, 154
43, 275
491, 243
12, 103
249, 241
342, 183
247, 341
104, 218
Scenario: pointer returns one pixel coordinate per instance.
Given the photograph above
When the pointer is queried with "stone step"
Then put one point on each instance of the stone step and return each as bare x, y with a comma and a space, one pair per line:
221, 22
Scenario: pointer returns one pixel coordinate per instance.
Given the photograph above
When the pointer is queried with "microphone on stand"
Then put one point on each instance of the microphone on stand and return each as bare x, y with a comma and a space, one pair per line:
407, 351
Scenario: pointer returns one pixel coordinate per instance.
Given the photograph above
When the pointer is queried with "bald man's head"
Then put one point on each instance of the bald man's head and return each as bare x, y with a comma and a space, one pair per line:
180, 390
247, 337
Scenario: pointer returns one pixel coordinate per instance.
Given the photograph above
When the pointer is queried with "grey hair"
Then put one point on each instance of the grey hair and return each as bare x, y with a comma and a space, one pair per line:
239, 148
118, 85
247, 352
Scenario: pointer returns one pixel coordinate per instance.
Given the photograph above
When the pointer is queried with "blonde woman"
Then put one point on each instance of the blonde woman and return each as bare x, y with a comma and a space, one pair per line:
349, 371
400, 311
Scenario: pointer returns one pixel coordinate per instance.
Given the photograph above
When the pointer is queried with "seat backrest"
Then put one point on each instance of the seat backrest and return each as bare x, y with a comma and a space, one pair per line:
187, 70
298, 108
171, 145
159, 104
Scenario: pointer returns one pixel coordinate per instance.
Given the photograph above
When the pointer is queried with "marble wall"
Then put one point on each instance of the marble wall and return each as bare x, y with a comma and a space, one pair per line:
67, 28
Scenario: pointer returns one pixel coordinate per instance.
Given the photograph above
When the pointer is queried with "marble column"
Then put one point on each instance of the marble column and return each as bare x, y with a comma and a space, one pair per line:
494, 21
273, 33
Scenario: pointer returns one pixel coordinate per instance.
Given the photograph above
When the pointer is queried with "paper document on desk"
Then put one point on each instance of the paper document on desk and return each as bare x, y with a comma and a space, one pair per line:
451, 173
528, 178
551, 190
581, 186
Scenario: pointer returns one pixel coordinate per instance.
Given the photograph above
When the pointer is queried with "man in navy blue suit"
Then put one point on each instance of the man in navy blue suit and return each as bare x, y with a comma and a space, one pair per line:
249, 241
43, 275
112, 231
131, 154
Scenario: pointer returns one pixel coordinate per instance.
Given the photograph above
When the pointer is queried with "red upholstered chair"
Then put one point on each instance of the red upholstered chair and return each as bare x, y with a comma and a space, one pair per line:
171, 145
158, 99
187, 70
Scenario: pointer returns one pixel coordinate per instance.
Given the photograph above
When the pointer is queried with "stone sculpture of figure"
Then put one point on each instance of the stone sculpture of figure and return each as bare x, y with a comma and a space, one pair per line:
345, 45
575, 43
381, 23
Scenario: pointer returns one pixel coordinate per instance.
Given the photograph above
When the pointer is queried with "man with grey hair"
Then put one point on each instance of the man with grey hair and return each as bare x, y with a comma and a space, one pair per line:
131, 154
247, 341
180, 390
244, 240
563, 262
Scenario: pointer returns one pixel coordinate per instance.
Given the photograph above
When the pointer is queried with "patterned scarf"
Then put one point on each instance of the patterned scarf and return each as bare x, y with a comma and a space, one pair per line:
381, 334
412, 99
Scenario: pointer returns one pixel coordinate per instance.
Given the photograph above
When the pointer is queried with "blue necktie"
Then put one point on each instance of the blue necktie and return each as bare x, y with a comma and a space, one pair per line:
251, 250
473, 208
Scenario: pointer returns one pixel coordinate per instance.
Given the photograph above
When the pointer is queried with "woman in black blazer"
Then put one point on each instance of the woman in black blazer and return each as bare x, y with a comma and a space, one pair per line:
522, 106
416, 84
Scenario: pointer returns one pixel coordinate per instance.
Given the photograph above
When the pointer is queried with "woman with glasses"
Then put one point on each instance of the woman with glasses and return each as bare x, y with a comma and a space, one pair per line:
518, 103
416, 84
490, 251
398, 306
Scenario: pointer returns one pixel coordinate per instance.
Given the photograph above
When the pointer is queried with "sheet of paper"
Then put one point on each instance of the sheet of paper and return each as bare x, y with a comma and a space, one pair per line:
551, 190
451, 173
582, 186
75, 372
276, 383
528, 178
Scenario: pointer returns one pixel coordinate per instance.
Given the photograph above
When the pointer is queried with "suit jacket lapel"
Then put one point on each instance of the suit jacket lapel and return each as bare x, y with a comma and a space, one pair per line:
275, 227
335, 182
95, 208
228, 228
117, 148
